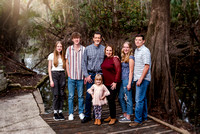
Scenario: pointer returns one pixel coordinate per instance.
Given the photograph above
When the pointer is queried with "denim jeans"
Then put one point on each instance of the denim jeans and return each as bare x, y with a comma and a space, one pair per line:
71, 88
125, 98
141, 102
88, 99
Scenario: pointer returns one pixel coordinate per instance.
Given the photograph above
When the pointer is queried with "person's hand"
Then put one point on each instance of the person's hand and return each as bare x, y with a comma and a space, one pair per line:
51, 83
92, 96
117, 57
85, 81
113, 85
102, 97
89, 80
128, 87
139, 82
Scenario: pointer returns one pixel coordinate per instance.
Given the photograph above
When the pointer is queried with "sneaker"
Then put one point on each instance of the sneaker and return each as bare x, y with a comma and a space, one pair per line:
81, 116
124, 120
121, 116
86, 119
56, 117
71, 117
61, 116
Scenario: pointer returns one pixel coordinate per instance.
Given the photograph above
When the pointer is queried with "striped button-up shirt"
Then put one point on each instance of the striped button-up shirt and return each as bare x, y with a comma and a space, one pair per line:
93, 58
142, 56
75, 58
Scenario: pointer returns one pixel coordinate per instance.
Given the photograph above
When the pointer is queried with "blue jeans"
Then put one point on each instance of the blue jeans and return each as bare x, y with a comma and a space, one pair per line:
126, 105
141, 102
88, 99
71, 88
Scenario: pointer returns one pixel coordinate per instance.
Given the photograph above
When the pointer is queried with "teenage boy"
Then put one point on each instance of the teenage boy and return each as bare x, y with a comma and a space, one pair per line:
142, 76
74, 56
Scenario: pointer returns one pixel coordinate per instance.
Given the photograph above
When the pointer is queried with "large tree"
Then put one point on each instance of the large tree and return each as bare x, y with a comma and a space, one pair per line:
162, 92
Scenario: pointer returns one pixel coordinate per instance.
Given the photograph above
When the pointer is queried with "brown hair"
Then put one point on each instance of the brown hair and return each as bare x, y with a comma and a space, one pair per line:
140, 35
113, 50
125, 58
75, 35
99, 77
62, 53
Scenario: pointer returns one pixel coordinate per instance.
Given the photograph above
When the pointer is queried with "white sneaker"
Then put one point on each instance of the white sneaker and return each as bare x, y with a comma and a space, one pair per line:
71, 117
81, 116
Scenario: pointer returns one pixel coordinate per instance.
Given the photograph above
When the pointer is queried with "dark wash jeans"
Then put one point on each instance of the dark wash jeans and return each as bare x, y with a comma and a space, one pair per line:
59, 80
88, 99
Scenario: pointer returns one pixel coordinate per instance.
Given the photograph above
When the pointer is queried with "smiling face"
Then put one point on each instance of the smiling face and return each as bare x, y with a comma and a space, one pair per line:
126, 48
76, 40
109, 51
97, 39
139, 41
59, 47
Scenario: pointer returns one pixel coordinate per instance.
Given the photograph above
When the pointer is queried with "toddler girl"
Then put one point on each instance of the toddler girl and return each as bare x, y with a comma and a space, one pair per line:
98, 92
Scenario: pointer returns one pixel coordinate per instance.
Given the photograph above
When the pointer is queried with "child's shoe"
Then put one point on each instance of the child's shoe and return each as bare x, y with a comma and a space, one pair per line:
99, 122
96, 121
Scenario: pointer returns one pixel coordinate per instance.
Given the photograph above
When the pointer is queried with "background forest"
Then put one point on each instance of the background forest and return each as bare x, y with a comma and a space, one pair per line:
33, 27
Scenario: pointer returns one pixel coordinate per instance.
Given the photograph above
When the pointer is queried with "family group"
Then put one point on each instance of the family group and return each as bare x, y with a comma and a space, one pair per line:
103, 73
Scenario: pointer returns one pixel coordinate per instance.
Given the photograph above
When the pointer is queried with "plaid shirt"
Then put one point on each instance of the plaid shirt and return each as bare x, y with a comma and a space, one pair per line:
92, 59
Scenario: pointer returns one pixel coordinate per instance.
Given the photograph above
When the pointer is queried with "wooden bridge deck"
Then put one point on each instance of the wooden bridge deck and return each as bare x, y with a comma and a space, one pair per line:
76, 127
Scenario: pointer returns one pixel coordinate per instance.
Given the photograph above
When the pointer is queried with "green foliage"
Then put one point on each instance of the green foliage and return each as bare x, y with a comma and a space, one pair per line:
100, 15
184, 12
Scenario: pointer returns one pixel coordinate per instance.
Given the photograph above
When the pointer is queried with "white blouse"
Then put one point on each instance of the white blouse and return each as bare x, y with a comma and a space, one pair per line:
60, 63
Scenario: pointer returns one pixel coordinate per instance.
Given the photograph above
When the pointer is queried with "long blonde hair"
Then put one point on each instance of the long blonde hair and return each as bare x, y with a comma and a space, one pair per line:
62, 53
125, 58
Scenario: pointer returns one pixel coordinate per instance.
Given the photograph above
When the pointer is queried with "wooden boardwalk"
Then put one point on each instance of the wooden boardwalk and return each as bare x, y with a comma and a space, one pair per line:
76, 127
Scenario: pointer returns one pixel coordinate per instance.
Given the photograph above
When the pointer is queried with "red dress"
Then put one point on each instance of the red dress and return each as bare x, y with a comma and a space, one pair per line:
111, 69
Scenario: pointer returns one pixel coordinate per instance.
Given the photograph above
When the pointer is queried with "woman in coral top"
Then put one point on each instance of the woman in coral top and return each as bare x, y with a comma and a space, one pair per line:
111, 69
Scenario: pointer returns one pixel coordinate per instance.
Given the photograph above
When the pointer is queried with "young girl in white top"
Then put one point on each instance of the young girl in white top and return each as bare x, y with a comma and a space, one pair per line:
98, 92
56, 70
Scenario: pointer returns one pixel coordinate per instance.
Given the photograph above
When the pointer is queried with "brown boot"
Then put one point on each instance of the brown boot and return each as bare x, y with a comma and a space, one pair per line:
99, 122
107, 119
96, 121
112, 121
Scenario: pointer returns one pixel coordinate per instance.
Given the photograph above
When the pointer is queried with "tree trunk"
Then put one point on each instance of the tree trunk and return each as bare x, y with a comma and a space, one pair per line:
162, 91
15, 18
115, 20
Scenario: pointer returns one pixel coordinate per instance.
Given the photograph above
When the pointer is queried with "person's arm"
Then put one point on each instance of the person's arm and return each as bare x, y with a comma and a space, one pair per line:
146, 58
67, 67
145, 71
50, 75
106, 92
117, 68
131, 69
84, 63
84, 68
